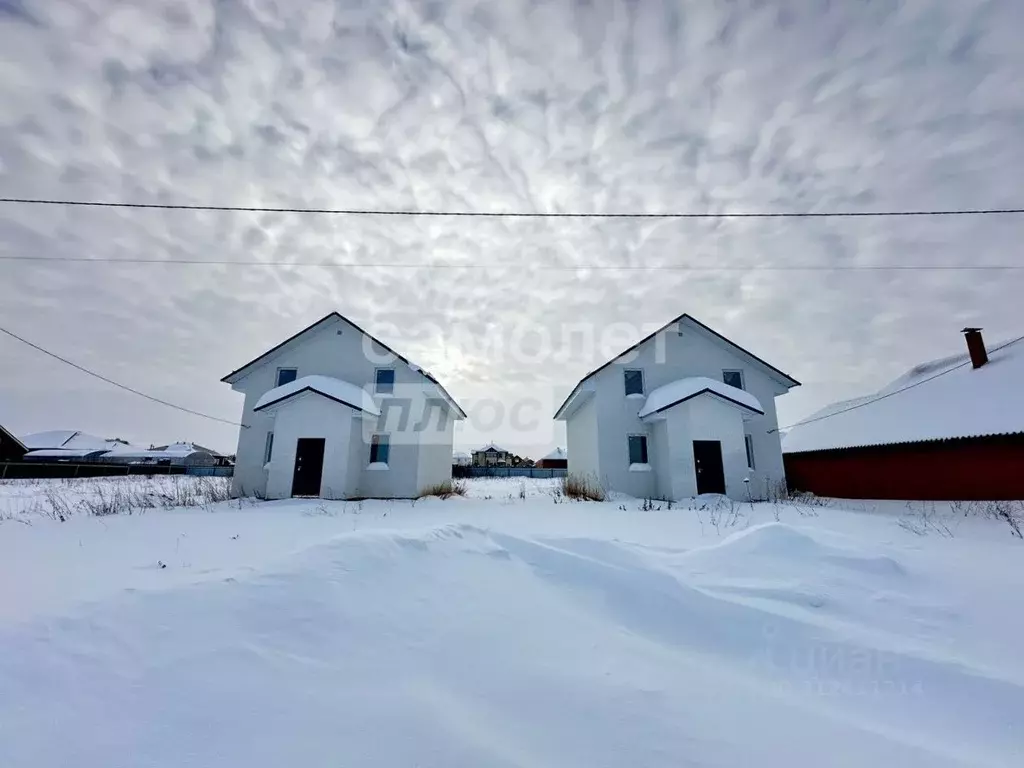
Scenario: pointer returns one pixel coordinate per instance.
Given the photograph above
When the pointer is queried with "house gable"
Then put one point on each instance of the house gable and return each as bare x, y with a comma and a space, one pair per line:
11, 448
286, 350
666, 340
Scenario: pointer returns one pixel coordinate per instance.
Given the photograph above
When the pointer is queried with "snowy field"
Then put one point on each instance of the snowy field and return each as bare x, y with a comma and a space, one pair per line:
510, 628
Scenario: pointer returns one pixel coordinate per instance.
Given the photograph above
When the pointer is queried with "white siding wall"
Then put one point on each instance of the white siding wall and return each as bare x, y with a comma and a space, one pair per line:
435, 462
581, 442
682, 473
337, 349
659, 456
694, 353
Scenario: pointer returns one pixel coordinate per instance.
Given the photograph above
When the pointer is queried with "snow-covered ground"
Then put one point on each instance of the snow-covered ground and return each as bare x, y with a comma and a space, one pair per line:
511, 628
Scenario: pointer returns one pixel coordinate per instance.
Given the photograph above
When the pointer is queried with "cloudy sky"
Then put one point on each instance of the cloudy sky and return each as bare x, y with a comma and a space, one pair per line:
558, 105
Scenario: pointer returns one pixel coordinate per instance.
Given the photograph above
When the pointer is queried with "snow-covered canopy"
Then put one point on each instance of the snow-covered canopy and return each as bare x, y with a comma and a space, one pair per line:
937, 400
679, 391
558, 454
334, 389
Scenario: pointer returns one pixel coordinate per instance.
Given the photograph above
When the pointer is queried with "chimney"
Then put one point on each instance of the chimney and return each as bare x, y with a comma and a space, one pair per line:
976, 346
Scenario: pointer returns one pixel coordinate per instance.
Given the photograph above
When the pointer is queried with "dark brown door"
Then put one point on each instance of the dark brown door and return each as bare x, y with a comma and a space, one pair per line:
707, 460
309, 466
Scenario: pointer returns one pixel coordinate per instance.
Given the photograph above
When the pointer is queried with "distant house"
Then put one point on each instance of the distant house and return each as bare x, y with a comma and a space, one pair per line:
557, 459
11, 448
492, 455
173, 455
951, 428
684, 411
67, 445
461, 459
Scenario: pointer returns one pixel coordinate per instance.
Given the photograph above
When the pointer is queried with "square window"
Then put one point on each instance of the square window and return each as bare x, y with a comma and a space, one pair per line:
384, 384
637, 449
634, 379
268, 449
733, 378
380, 448
749, 441
286, 375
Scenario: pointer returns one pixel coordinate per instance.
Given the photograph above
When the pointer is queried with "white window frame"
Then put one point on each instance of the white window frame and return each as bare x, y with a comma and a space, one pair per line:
748, 444
743, 379
643, 382
277, 376
647, 449
394, 379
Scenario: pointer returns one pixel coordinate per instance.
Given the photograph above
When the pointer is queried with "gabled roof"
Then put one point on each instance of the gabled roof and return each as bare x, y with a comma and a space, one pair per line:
785, 378
937, 400
677, 392
339, 391
556, 455
238, 372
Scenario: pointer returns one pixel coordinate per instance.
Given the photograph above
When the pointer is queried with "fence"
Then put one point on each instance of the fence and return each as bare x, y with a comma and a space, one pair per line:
536, 472
18, 470
210, 471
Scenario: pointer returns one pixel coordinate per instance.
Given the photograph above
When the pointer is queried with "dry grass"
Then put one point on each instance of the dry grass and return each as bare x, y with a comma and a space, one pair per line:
100, 497
582, 488
445, 489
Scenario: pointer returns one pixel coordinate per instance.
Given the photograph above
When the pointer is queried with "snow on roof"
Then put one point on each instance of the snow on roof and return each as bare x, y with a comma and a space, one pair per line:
65, 453
55, 438
334, 389
136, 451
937, 400
460, 455
681, 390
491, 447
558, 453
68, 439
185, 449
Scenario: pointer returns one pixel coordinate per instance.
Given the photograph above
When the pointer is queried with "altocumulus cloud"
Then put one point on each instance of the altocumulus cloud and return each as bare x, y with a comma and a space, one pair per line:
556, 106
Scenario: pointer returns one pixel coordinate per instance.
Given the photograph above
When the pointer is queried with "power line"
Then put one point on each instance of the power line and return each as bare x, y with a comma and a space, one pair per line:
521, 214
115, 383
540, 267
894, 392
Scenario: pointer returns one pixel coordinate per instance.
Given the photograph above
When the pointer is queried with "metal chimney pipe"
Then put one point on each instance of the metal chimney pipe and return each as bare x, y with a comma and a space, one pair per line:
976, 346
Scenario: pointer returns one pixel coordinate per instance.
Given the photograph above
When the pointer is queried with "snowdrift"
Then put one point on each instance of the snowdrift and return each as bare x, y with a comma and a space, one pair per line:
460, 645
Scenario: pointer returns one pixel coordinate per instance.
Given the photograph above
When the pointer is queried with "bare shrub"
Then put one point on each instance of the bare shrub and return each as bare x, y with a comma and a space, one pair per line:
581, 488
923, 518
723, 512
1009, 512
445, 489
59, 507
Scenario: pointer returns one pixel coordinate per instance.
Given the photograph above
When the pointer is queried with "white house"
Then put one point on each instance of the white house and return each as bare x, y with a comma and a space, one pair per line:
334, 412
682, 412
